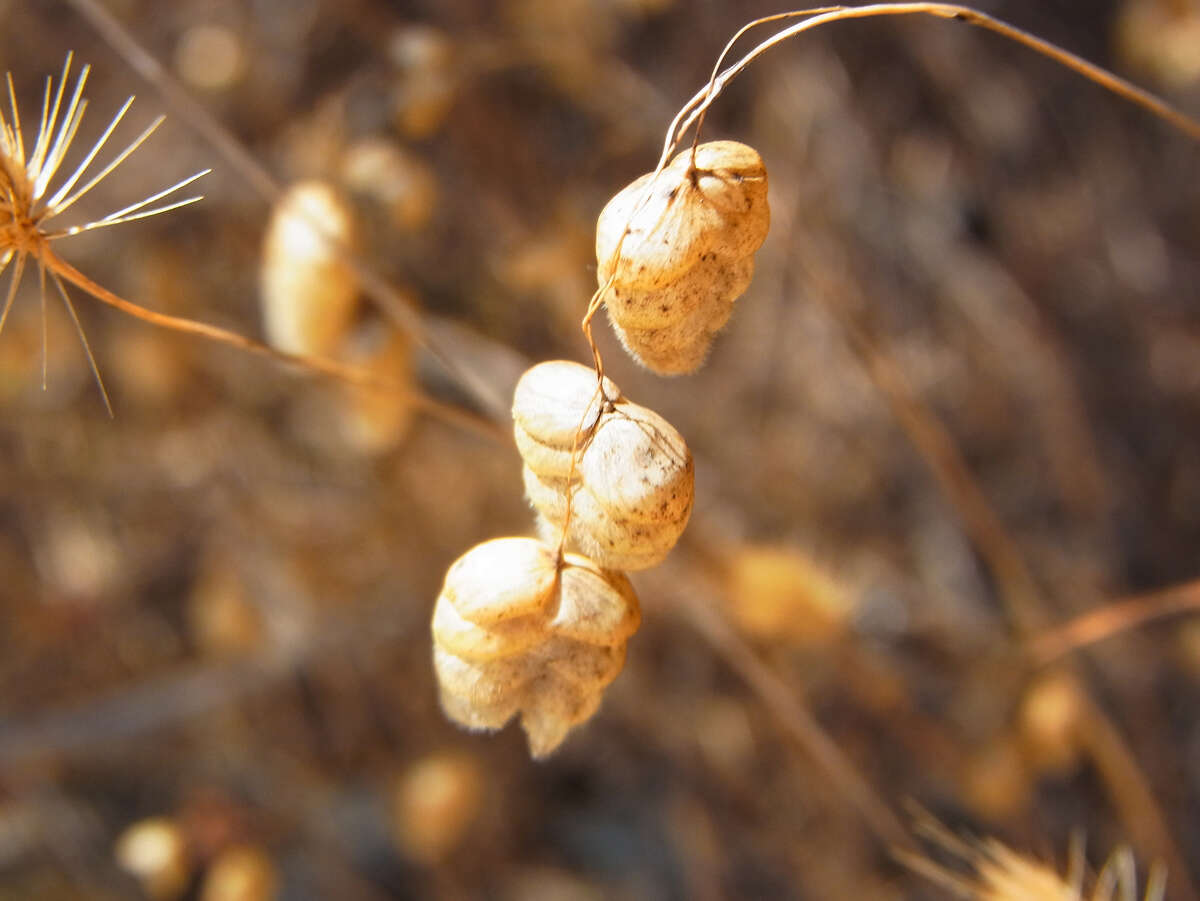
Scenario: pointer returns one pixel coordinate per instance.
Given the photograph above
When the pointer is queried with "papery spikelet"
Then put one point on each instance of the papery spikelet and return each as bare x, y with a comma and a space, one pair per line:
308, 291
633, 481
515, 633
680, 255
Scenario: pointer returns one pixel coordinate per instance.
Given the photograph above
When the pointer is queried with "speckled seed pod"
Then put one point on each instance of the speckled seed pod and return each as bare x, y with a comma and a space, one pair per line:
513, 634
688, 255
633, 484
308, 293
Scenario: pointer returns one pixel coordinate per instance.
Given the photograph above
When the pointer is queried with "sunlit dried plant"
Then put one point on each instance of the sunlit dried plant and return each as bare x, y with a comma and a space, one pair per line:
998, 873
29, 202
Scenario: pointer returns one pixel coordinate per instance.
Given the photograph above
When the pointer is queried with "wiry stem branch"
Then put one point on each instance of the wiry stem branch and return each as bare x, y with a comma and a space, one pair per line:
351, 375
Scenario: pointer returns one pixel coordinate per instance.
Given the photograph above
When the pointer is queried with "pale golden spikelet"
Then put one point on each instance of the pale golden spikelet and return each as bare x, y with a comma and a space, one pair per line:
1161, 39
434, 804
241, 873
679, 248
309, 292
781, 595
155, 852
632, 481
32, 197
515, 633
1050, 721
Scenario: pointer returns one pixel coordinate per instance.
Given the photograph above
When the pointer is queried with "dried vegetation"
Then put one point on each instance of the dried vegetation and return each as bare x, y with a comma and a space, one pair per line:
959, 405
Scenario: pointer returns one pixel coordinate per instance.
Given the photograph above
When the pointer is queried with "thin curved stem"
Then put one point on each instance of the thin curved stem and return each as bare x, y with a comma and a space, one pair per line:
692, 593
340, 371
694, 109
1113, 619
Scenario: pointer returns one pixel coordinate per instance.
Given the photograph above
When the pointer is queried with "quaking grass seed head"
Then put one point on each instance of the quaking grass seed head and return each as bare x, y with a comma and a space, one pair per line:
679, 250
632, 480
516, 632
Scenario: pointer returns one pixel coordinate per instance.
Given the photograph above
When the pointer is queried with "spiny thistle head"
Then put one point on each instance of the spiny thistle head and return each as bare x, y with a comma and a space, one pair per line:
30, 199
998, 873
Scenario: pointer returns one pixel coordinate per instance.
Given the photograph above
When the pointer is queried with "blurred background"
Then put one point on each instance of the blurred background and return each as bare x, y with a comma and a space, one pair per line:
957, 407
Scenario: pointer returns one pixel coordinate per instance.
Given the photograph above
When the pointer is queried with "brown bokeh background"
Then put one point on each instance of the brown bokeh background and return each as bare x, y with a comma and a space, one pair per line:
214, 607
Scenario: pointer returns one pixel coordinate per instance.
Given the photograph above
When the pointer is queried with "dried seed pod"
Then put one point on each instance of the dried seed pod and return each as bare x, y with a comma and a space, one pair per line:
633, 483
155, 851
688, 253
241, 873
515, 633
308, 292
434, 804
781, 595
1052, 721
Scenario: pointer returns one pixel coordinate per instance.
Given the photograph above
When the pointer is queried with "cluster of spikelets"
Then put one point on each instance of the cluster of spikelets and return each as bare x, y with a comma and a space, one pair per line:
537, 627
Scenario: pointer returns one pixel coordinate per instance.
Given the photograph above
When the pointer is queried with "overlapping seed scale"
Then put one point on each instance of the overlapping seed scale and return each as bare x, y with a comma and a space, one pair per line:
473, 642
556, 707
585, 665
662, 243
472, 714
596, 607
618, 544
682, 346
553, 689
501, 579
552, 401
629, 521
712, 283
732, 181
718, 210
490, 684
639, 467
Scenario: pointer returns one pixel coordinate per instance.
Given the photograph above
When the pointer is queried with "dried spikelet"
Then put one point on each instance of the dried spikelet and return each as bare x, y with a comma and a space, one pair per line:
427, 82
999, 873
155, 852
778, 594
30, 200
513, 633
1049, 721
688, 253
241, 873
222, 617
434, 804
308, 291
633, 482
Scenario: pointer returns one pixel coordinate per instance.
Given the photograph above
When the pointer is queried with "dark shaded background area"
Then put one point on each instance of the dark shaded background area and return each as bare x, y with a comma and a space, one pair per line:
214, 609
